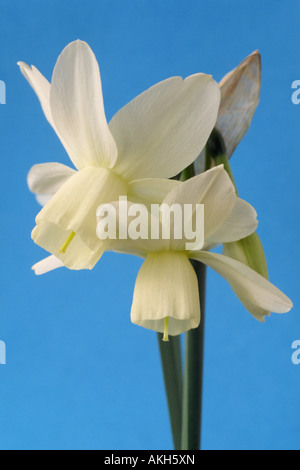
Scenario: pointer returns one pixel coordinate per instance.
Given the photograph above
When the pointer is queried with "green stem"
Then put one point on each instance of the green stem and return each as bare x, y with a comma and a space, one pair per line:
188, 433
216, 152
188, 173
194, 348
170, 353
193, 374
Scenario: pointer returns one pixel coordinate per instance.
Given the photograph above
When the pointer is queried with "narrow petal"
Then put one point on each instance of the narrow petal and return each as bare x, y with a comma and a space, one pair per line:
166, 286
41, 86
256, 293
214, 189
77, 108
164, 129
150, 190
240, 90
240, 223
45, 179
47, 264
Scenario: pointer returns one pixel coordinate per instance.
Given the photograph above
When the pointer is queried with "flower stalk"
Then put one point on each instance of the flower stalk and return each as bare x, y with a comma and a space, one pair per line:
194, 359
184, 393
170, 353
193, 373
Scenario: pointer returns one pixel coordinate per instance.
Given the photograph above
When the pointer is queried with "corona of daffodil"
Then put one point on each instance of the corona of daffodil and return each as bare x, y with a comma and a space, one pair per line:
166, 295
156, 135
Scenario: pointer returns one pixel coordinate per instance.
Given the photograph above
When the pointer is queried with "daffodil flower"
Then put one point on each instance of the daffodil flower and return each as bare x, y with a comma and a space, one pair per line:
156, 135
166, 295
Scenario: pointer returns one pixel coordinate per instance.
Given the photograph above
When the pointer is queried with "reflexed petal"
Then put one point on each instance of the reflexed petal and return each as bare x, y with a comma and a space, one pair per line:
166, 286
73, 209
45, 179
239, 98
239, 224
77, 108
256, 293
47, 264
41, 86
214, 189
164, 129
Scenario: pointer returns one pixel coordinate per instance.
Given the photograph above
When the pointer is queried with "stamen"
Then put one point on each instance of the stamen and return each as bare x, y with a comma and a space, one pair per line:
67, 243
166, 329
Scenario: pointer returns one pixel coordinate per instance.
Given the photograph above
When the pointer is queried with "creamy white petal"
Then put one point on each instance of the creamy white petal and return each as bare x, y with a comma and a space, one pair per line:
45, 179
47, 264
139, 247
42, 199
215, 190
77, 108
256, 293
166, 286
41, 86
134, 234
240, 90
150, 190
164, 129
72, 209
239, 224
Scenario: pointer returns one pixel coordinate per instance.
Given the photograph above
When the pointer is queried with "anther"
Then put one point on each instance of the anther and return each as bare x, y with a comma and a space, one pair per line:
64, 247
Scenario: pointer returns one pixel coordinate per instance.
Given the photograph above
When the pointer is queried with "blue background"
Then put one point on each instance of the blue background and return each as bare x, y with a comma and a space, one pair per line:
79, 375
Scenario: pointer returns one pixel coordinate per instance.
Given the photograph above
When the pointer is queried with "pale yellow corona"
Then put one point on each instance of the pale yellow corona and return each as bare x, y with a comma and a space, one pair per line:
166, 293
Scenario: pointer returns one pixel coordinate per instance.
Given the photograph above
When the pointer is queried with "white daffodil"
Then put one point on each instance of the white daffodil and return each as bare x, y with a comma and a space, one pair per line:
166, 292
156, 135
